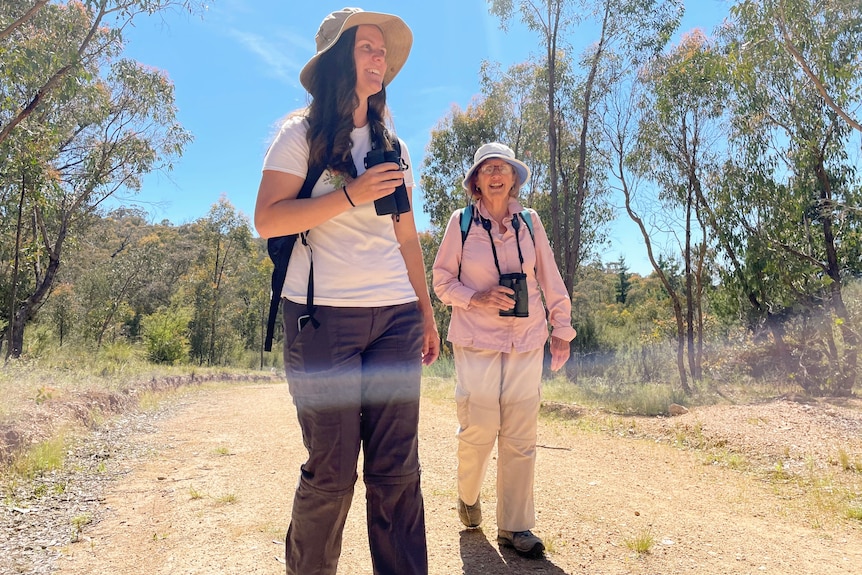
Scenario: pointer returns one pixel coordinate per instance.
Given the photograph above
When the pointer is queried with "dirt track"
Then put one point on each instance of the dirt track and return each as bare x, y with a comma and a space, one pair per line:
213, 493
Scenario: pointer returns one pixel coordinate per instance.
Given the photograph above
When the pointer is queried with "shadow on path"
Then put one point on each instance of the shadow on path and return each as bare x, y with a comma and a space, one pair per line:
480, 557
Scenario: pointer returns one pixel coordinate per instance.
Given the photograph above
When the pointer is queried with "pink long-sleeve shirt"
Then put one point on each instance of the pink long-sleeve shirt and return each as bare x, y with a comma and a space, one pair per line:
484, 328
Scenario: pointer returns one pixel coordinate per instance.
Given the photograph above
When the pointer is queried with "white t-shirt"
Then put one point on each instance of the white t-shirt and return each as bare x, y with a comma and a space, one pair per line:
357, 258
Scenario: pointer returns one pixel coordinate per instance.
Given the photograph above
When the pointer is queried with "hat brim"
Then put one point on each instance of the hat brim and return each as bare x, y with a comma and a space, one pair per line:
396, 34
520, 167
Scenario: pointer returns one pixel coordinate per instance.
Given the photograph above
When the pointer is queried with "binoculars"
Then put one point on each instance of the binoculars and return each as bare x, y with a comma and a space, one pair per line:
397, 202
518, 283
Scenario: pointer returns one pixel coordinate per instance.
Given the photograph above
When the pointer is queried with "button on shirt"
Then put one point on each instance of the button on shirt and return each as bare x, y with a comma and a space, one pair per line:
484, 328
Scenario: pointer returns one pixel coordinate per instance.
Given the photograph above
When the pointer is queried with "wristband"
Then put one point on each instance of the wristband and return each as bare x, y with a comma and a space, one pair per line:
346, 195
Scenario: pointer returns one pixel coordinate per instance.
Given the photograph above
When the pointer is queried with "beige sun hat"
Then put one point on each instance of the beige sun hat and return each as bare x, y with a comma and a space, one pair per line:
501, 151
396, 34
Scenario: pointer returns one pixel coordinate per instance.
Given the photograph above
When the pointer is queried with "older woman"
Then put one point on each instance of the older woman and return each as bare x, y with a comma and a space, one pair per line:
358, 323
494, 278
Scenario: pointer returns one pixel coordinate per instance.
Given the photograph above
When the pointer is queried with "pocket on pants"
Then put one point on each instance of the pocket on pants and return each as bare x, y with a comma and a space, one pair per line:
307, 347
462, 407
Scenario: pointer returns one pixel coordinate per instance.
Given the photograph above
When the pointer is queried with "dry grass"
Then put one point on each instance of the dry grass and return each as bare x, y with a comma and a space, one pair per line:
641, 543
44, 401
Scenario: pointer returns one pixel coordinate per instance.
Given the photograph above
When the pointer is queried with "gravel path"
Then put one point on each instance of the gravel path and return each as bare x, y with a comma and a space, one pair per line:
205, 487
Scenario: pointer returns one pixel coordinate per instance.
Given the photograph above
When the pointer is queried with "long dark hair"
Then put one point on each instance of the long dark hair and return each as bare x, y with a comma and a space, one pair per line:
330, 115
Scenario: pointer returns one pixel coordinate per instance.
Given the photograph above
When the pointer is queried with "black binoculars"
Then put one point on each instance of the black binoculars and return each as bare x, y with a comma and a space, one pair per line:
397, 202
518, 283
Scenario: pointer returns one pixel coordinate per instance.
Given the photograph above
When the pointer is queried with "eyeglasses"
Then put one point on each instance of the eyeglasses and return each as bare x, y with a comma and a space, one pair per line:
502, 169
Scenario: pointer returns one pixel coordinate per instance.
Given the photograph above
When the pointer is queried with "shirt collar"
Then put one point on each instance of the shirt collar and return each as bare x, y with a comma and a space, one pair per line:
514, 207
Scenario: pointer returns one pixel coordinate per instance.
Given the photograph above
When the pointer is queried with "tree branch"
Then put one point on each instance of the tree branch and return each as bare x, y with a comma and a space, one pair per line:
806, 69
22, 20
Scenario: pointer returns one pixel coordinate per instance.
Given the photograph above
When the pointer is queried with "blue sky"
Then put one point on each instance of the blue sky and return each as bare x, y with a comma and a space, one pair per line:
236, 72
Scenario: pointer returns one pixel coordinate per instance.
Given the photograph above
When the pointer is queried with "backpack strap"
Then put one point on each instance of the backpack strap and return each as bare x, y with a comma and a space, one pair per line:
280, 249
466, 219
528, 219
466, 222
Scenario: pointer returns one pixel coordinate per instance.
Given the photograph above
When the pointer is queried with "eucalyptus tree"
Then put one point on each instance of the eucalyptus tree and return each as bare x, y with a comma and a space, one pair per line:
96, 32
83, 293
253, 294
551, 19
116, 263
77, 124
211, 289
629, 31
679, 142
126, 233
792, 187
105, 291
173, 249
621, 117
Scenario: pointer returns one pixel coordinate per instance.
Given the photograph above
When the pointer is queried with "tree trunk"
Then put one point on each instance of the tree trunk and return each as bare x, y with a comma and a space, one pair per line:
845, 366
263, 319
551, 47
772, 322
699, 288
680, 344
677, 306
16, 335
26, 310
11, 349
573, 238
777, 330
689, 287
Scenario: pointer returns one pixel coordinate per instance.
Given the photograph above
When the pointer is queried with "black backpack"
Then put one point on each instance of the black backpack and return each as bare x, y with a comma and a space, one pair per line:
280, 248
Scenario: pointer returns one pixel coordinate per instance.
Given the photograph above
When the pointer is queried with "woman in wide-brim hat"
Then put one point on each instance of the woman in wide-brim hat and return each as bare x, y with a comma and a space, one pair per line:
358, 323
508, 300
397, 35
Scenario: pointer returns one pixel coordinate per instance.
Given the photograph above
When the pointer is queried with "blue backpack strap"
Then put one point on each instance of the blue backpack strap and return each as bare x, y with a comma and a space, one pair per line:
466, 221
528, 219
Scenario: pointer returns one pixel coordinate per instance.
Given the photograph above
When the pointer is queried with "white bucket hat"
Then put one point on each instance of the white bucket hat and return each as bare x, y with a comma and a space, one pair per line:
396, 34
501, 151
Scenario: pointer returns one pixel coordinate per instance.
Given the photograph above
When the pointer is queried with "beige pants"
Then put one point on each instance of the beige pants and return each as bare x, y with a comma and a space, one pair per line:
498, 396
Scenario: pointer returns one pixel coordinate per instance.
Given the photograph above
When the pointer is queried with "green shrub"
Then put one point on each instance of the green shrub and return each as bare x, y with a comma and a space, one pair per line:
166, 336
